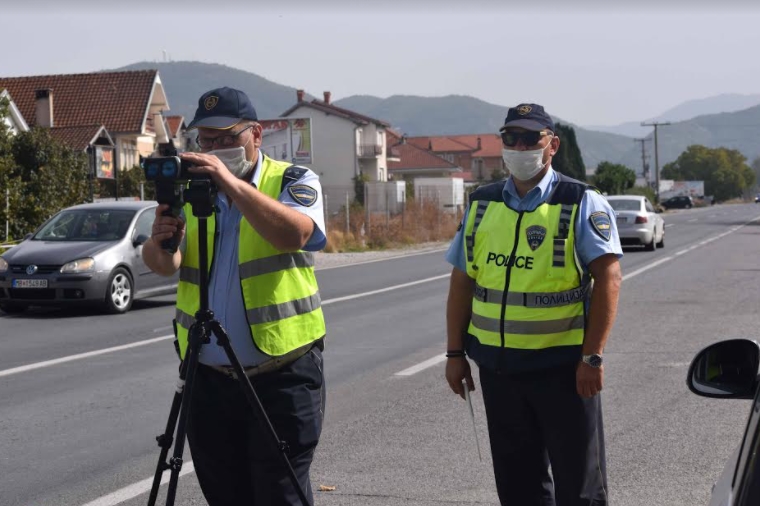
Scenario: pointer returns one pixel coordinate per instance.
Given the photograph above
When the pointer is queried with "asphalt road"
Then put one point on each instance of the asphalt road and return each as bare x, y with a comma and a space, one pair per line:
80, 431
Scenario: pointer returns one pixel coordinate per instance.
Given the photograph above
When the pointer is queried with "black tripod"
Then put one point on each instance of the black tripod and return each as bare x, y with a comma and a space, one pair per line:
201, 195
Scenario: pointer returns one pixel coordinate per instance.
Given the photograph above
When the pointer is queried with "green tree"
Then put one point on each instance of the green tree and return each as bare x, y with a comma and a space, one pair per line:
498, 174
129, 182
568, 159
613, 178
724, 171
51, 176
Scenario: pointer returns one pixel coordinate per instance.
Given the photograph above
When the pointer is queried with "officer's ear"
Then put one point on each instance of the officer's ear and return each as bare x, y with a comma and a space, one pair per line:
554, 144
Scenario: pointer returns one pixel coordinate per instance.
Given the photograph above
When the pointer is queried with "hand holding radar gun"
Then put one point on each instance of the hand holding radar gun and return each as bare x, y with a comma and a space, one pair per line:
472, 416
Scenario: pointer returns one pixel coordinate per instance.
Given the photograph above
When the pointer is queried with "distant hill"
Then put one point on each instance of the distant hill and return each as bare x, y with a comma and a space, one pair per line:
186, 81
728, 102
458, 114
738, 130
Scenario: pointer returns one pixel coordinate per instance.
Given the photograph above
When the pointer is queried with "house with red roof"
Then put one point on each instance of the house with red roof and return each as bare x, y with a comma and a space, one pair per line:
125, 108
344, 143
479, 155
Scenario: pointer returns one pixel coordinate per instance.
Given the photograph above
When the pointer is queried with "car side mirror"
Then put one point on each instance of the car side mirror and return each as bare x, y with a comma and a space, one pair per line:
140, 240
728, 370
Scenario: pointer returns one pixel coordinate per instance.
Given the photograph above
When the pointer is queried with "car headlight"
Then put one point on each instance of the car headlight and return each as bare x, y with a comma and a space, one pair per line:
3, 265
81, 265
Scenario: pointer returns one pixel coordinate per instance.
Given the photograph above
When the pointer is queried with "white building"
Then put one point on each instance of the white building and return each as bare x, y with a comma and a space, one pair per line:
343, 144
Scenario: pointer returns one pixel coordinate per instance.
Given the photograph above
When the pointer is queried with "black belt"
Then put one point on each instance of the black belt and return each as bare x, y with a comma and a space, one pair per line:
270, 365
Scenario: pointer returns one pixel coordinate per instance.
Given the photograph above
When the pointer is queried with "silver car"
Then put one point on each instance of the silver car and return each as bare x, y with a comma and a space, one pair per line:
86, 254
729, 370
637, 221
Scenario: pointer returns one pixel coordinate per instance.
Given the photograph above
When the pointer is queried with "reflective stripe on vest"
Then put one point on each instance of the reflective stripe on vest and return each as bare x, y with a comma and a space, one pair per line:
544, 302
532, 299
280, 292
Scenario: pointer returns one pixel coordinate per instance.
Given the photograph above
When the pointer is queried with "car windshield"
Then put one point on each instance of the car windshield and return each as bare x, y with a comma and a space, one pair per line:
625, 204
86, 225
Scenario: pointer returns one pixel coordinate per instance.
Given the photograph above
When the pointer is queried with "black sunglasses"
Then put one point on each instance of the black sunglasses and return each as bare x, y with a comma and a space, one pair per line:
511, 139
223, 140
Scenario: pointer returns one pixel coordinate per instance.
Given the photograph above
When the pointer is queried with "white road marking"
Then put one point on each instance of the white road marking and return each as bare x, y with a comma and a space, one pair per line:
80, 356
382, 290
422, 366
70, 358
136, 489
693, 219
162, 329
669, 225
405, 255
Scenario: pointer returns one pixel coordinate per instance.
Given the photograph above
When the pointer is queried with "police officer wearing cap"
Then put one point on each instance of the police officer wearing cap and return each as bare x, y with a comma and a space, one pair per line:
532, 299
263, 291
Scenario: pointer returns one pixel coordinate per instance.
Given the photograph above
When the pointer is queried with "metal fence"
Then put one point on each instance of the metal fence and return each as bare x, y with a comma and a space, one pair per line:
388, 213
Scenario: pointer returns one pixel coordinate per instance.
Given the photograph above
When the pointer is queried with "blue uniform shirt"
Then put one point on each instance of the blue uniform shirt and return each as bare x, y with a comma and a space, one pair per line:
225, 295
588, 244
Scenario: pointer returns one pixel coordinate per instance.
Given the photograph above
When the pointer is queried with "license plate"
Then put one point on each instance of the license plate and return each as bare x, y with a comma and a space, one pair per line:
621, 221
30, 283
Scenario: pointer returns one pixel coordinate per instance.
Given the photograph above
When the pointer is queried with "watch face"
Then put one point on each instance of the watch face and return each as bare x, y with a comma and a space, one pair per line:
594, 360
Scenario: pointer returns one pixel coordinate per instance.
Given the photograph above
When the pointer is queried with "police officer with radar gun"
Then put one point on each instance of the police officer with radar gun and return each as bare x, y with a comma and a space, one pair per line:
263, 291
533, 296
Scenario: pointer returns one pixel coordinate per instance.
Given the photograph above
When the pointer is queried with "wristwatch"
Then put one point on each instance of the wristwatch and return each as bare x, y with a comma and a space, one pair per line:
595, 360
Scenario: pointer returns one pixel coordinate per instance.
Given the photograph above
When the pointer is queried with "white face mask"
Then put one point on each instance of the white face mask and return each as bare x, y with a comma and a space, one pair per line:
524, 165
234, 159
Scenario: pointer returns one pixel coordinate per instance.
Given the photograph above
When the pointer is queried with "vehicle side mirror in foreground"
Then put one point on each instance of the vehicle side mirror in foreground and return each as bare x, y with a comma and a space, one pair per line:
728, 369
140, 240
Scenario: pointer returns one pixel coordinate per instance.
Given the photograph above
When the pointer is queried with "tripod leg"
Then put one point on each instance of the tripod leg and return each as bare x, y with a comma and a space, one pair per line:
197, 335
165, 440
258, 410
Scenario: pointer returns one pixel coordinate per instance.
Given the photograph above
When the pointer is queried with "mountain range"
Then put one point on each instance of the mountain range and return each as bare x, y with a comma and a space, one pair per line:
729, 120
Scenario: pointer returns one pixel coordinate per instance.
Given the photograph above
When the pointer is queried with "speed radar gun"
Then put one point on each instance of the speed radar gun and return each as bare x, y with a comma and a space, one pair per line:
175, 186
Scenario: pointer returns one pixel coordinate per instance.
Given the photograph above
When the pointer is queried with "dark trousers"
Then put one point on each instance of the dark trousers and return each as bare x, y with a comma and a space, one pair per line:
234, 458
536, 420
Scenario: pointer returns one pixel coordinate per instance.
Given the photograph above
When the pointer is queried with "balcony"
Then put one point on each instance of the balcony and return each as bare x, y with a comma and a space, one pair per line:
370, 150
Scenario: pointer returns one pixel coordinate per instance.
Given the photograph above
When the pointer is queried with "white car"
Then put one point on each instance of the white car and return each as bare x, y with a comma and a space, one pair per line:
638, 222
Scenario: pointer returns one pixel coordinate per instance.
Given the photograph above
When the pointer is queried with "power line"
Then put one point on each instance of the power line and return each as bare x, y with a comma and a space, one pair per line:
656, 124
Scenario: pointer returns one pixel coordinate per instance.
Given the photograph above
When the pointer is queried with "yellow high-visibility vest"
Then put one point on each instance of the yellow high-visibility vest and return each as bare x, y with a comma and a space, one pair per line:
279, 288
530, 290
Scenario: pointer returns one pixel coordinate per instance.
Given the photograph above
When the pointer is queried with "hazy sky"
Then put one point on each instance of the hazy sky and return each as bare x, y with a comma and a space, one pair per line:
584, 61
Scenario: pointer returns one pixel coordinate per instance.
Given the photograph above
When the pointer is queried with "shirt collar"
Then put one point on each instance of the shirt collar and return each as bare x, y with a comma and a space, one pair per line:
256, 176
542, 187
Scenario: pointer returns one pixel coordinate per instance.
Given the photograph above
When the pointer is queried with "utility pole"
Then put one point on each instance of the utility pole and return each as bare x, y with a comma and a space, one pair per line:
656, 124
644, 164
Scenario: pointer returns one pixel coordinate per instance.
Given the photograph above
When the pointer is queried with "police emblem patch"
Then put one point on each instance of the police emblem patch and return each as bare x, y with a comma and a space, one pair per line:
535, 235
210, 102
601, 223
524, 109
304, 195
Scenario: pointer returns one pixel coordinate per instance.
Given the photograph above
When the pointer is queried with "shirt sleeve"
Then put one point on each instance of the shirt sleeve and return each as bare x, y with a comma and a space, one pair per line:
591, 241
300, 195
455, 254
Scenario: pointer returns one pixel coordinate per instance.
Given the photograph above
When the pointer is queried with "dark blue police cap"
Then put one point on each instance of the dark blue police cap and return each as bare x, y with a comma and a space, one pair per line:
528, 116
222, 108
